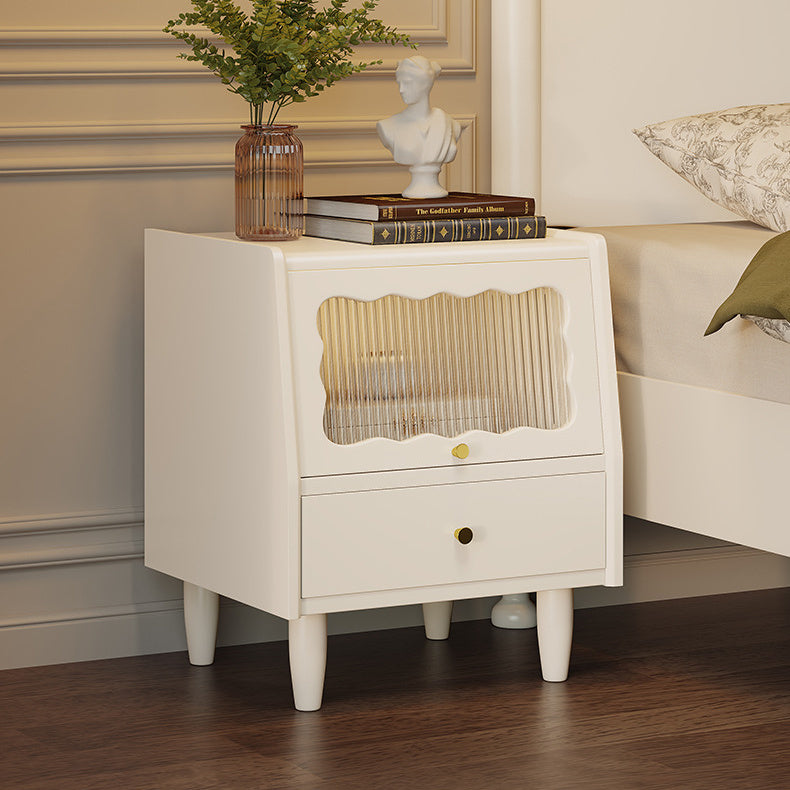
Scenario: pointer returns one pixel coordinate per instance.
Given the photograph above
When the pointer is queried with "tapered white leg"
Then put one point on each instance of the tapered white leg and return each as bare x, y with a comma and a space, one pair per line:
201, 610
307, 653
514, 611
436, 616
555, 632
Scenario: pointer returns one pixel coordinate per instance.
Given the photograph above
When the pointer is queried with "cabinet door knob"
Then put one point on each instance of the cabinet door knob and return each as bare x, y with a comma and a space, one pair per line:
464, 535
460, 450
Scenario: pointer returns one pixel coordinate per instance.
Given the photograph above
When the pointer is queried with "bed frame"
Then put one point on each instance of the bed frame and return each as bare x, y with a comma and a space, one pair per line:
570, 80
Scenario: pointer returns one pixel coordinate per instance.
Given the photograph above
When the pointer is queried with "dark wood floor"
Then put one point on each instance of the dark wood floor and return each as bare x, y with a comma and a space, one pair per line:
684, 694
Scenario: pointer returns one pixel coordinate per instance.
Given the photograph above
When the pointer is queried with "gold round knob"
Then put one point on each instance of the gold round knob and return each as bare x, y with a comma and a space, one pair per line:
464, 535
460, 450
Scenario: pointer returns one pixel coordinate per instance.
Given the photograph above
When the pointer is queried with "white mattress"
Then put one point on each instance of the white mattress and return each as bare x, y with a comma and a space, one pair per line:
667, 281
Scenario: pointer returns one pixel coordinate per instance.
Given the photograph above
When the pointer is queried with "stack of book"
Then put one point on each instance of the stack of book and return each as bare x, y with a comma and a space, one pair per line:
393, 219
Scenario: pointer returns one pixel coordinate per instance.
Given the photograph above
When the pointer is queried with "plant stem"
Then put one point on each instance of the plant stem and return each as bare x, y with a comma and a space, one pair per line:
257, 112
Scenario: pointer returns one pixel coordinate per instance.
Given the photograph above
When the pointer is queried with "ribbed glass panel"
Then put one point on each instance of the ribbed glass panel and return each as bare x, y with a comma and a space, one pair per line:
397, 367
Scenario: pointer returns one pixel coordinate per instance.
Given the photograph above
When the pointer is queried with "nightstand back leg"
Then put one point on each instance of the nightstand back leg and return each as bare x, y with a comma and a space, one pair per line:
555, 632
201, 611
307, 654
436, 616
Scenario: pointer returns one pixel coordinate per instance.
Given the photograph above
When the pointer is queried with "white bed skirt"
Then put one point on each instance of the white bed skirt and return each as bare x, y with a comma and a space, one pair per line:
706, 461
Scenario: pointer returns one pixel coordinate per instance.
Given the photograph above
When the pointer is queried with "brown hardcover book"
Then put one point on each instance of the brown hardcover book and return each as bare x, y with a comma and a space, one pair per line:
426, 231
457, 205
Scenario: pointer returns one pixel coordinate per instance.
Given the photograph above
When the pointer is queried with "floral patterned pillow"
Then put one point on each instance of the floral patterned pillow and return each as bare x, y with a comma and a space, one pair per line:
739, 158
778, 328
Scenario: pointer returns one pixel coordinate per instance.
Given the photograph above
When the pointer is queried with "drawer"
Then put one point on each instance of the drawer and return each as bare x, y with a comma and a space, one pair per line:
397, 538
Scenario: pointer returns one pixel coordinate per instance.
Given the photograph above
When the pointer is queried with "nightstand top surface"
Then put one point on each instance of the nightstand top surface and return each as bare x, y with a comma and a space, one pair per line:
311, 253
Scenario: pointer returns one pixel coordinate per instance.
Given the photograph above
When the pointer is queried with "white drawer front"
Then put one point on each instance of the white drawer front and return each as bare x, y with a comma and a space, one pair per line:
398, 538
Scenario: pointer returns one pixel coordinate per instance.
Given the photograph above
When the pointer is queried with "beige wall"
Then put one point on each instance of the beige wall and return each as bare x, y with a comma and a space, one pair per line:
104, 132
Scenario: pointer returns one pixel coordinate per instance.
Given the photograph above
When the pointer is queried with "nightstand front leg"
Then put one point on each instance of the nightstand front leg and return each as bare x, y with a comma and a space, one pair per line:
436, 616
555, 632
307, 653
201, 611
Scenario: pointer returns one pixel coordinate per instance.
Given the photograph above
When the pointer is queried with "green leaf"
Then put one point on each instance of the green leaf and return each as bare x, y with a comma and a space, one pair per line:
283, 51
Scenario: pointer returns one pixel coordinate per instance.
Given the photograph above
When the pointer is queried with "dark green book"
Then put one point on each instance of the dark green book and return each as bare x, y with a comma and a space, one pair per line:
426, 231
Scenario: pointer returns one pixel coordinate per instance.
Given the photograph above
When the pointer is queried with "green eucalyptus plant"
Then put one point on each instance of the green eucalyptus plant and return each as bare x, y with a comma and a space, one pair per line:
284, 51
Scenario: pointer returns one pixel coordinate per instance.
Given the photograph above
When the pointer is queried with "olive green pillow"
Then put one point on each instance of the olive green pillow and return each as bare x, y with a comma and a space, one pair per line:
764, 287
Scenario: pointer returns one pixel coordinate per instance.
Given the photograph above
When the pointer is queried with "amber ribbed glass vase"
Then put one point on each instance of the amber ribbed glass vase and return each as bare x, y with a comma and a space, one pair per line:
269, 183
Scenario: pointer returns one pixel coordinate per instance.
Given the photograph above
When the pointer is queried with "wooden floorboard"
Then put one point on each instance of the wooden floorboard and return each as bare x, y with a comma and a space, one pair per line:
691, 694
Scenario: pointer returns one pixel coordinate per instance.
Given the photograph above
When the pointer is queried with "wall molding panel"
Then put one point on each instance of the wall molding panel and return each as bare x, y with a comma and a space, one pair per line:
70, 539
67, 522
106, 132
84, 36
101, 53
46, 53
70, 555
449, 39
96, 613
74, 149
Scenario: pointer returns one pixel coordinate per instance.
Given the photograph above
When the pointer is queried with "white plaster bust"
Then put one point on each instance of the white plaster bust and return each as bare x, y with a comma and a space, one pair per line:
420, 136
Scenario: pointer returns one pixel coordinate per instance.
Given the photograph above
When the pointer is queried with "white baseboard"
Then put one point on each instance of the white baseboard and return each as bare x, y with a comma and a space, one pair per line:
129, 610
689, 573
73, 588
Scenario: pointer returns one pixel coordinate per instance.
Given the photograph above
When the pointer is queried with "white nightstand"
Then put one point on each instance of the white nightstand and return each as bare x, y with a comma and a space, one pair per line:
335, 426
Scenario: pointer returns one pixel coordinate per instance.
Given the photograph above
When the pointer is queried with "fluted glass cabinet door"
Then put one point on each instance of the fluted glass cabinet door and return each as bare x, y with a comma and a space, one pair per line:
498, 357
397, 367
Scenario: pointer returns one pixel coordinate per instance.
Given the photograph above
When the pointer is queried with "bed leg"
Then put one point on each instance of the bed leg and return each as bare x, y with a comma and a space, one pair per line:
514, 611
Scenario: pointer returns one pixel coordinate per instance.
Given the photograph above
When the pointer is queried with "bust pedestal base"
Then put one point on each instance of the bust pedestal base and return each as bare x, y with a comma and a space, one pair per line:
425, 182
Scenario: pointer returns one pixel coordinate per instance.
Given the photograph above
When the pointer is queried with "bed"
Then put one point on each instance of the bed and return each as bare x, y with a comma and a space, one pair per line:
706, 420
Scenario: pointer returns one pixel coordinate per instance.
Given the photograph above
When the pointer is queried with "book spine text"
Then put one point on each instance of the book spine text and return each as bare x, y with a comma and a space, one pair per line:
441, 230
